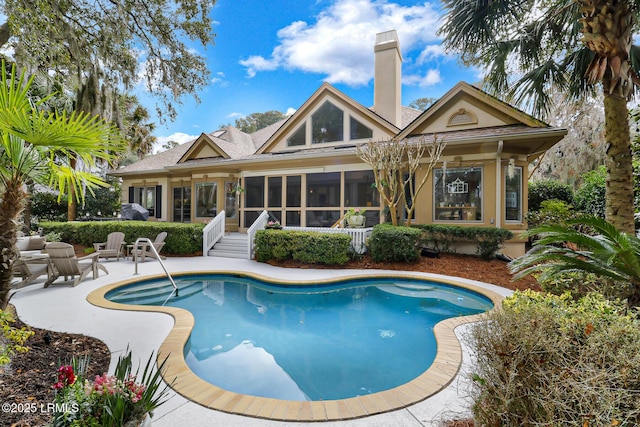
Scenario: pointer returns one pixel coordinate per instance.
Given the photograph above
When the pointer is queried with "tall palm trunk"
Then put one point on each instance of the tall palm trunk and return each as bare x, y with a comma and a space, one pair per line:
619, 191
10, 209
607, 27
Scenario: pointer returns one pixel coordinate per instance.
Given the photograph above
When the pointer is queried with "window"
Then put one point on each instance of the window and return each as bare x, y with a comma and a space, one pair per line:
206, 199
145, 197
327, 124
230, 199
513, 193
299, 137
182, 204
358, 130
458, 194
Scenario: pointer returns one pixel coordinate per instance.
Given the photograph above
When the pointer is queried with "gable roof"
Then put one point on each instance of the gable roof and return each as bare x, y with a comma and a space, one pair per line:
510, 114
325, 91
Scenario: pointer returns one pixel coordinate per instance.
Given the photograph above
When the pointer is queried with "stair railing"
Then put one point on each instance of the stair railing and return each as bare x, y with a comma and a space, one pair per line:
213, 232
258, 224
147, 242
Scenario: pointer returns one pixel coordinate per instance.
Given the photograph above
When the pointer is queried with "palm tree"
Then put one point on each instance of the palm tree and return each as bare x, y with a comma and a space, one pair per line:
606, 252
29, 141
531, 48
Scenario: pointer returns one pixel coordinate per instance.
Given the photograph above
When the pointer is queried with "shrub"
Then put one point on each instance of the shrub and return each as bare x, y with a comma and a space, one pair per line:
580, 283
552, 211
12, 339
548, 189
549, 360
303, 246
390, 243
590, 197
182, 239
488, 240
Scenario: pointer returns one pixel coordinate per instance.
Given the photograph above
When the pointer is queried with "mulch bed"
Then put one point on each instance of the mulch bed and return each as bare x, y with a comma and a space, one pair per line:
27, 382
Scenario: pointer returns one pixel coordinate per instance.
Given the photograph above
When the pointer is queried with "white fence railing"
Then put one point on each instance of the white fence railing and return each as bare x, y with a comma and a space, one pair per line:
213, 232
258, 224
359, 236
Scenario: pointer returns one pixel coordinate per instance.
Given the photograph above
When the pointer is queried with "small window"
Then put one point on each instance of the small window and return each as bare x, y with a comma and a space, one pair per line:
462, 117
299, 137
359, 131
513, 193
327, 124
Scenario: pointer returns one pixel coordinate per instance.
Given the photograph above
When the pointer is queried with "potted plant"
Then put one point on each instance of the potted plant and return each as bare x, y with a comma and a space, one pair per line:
355, 217
122, 399
273, 225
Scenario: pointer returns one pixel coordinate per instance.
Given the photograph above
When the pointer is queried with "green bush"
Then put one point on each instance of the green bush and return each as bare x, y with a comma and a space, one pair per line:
590, 197
304, 246
12, 339
580, 283
488, 240
182, 239
548, 189
548, 360
551, 212
390, 243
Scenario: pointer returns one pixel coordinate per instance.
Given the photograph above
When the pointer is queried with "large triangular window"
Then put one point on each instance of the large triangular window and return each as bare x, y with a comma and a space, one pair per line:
327, 124
299, 137
358, 130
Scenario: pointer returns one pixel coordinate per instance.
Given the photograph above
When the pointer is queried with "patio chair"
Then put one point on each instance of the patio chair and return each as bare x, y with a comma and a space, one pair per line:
112, 247
65, 263
29, 270
143, 250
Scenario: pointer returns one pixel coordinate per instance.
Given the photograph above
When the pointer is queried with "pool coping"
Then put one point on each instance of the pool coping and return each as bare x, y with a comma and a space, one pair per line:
183, 381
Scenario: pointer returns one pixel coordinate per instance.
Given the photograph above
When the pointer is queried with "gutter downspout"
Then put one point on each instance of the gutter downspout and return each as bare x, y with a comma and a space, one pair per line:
499, 183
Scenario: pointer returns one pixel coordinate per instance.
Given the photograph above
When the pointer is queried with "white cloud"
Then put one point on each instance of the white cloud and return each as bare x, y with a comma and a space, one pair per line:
431, 78
234, 115
178, 137
339, 44
219, 79
290, 111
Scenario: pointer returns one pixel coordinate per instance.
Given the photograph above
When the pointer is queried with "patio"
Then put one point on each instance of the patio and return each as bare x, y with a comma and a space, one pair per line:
66, 309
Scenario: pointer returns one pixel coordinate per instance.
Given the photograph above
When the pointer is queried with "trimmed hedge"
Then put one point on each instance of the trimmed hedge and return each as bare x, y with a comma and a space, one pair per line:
389, 243
442, 237
304, 246
182, 239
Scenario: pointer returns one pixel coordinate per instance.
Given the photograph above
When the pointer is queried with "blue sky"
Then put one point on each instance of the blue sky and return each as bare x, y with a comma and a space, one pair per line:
273, 55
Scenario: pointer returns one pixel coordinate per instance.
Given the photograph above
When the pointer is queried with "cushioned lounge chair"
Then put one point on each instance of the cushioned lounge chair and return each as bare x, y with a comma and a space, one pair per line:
112, 248
143, 250
65, 263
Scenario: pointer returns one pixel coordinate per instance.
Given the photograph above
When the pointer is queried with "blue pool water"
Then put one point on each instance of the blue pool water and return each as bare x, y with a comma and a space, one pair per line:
308, 342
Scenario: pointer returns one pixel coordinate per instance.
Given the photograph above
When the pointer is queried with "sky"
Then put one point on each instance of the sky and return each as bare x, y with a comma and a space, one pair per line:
273, 55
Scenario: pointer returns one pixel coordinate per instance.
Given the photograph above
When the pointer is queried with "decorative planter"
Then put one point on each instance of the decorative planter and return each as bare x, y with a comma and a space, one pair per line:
356, 221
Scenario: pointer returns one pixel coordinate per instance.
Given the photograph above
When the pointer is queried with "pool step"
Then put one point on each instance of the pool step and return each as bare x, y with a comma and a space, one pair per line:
233, 245
154, 294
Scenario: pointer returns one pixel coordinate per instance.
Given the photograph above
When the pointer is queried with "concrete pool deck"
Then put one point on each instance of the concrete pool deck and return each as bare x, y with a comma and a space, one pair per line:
65, 309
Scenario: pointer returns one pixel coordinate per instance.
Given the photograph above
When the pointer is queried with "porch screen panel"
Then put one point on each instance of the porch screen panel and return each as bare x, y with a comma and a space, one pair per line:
457, 194
294, 191
274, 194
358, 190
323, 189
513, 194
254, 192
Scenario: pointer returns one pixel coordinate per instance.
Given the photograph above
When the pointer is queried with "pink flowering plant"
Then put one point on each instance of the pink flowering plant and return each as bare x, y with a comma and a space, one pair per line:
355, 211
121, 399
273, 225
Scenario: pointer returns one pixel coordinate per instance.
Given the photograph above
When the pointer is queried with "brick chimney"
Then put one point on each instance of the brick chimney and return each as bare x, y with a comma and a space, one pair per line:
387, 83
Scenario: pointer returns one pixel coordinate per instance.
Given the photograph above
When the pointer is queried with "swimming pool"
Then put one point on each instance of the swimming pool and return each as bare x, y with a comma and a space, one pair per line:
320, 342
